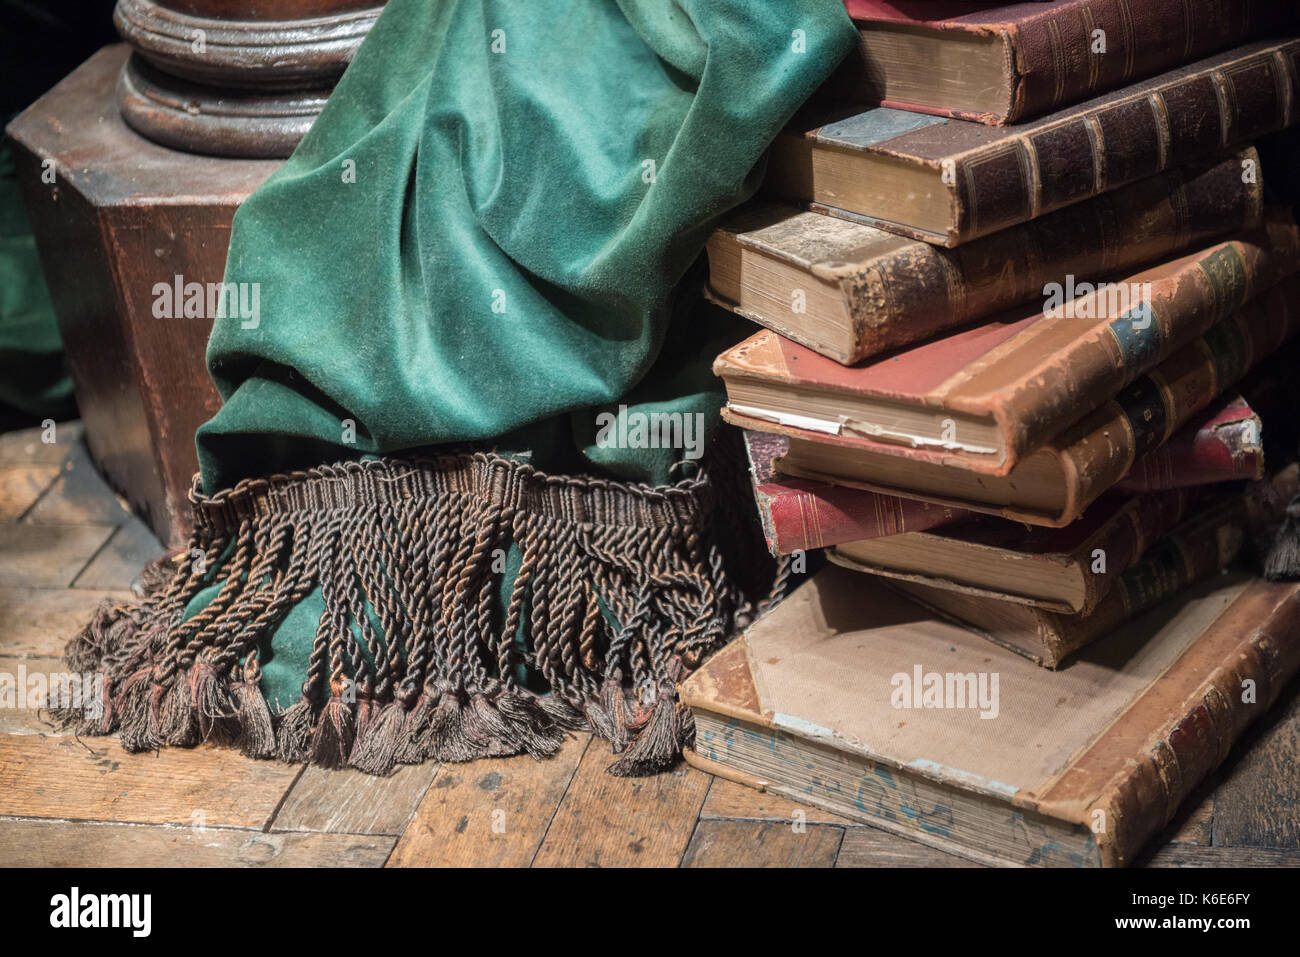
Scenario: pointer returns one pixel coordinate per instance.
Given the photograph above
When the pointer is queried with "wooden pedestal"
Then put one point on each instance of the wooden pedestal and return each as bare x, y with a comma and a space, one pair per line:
121, 215
235, 77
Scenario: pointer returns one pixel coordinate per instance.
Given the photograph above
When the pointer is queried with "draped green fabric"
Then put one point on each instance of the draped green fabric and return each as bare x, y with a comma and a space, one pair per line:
483, 236
490, 240
33, 379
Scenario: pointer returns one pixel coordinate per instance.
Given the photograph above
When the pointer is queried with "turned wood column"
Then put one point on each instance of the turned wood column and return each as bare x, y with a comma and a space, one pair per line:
239, 78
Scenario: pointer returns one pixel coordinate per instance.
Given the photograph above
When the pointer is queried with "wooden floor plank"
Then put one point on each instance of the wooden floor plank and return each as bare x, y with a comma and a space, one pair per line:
491, 813
25, 685
349, 802
1257, 803
118, 563
727, 799
80, 496
26, 843
25, 446
731, 843
1187, 855
606, 821
21, 486
1193, 824
871, 847
95, 780
39, 621
47, 556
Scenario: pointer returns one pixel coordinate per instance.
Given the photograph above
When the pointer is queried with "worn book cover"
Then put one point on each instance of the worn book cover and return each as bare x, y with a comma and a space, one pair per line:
850, 291
950, 181
1056, 482
1005, 63
1067, 570
983, 397
1223, 444
1206, 543
801, 514
852, 698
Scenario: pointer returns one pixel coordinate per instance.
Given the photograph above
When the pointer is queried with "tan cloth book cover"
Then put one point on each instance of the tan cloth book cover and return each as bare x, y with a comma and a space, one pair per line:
830, 699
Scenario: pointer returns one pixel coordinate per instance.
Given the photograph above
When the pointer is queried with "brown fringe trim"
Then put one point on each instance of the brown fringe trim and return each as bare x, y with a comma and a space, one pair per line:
416, 541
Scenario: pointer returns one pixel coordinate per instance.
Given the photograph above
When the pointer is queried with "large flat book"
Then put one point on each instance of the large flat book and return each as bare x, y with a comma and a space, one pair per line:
850, 291
854, 699
950, 181
1205, 543
1056, 482
986, 395
1011, 62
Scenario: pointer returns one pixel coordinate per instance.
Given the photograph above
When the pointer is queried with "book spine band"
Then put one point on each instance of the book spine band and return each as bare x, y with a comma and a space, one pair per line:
904, 298
1062, 57
1036, 173
1222, 452
1104, 446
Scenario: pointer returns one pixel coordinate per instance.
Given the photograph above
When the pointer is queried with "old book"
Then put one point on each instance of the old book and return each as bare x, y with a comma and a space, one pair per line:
984, 396
1221, 444
1227, 445
951, 181
849, 291
854, 699
1067, 570
1005, 64
800, 514
1056, 482
1195, 550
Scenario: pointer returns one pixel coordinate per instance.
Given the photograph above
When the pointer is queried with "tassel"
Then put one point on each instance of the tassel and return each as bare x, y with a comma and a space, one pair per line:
536, 730
293, 732
412, 739
212, 704
656, 746
141, 708
562, 713
256, 729
331, 742
447, 738
179, 725
1283, 560
375, 751
489, 734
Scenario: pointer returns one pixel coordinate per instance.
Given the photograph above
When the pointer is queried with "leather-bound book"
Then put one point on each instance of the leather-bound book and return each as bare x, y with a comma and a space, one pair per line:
951, 181
1009, 63
985, 396
1226, 445
1222, 444
1204, 544
801, 514
1056, 482
850, 291
852, 698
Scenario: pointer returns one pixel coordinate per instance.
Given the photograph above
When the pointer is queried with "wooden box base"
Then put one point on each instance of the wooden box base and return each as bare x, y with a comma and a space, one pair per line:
121, 215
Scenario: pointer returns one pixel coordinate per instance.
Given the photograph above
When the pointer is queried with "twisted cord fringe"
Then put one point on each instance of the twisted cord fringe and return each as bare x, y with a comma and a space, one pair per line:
621, 590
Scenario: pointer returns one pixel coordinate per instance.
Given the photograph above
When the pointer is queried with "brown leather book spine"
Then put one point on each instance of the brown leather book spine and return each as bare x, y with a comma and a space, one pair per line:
1061, 58
1195, 550
1101, 448
904, 298
1121, 142
1174, 307
1183, 727
1125, 538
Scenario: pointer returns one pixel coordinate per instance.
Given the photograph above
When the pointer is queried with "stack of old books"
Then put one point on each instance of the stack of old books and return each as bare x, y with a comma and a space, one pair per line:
1024, 345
